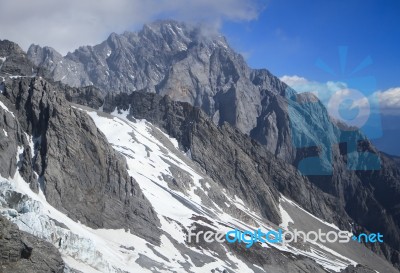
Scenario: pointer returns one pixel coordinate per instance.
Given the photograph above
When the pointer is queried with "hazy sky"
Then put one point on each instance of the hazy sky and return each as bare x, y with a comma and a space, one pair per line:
66, 25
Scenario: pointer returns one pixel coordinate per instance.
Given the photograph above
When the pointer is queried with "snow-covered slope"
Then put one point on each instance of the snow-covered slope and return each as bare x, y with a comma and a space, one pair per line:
156, 189
182, 196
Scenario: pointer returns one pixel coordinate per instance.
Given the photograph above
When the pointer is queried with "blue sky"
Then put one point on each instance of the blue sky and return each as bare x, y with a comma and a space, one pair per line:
289, 36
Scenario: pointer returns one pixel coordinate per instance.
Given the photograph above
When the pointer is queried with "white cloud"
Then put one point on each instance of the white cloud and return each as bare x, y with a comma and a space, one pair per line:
323, 91
294, 80
332, 94
65, 25
390, 100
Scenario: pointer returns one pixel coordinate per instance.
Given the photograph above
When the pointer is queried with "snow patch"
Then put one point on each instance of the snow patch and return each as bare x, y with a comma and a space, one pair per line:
6, 108
19, 76
286, 219
284, 199
31, 145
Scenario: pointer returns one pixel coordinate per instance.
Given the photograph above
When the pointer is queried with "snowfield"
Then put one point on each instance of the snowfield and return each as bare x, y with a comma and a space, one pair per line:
151, 156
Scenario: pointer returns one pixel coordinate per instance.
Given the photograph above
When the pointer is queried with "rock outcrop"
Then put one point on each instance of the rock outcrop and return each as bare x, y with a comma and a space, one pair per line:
14, 61
70, 160
22, 252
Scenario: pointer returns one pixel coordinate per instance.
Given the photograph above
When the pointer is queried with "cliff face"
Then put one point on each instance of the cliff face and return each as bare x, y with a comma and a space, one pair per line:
59, 151
71, 162
174, 59
168, 58
233, 159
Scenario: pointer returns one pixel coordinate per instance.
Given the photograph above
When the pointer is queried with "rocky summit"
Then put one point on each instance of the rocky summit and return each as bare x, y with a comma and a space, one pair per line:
112, 155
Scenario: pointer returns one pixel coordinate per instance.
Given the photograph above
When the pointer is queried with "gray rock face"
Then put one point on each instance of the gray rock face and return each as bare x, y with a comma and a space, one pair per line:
256, 175
87, 96
14, 62
169, 58
21, 252
71, 162
358, 269
10, 133
237, 162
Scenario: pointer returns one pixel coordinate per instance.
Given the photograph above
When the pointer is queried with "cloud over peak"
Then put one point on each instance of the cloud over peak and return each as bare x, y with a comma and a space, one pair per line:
66, 25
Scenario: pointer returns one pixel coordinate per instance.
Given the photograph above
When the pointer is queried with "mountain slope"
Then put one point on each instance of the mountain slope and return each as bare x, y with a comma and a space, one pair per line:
163, 173
178, 60
171, 190
173, 59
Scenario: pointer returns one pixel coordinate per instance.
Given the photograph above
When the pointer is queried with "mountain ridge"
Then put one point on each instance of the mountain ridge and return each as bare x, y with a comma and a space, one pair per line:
208, 74
267, 121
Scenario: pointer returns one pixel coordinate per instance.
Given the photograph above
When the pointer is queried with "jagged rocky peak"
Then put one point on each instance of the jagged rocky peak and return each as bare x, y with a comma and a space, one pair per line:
41, 55
177, 34
154, 49
183, 61
9, 48
168, 35
13, 61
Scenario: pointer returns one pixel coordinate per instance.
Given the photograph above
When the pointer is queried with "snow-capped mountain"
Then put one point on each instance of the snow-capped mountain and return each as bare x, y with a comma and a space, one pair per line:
179, 60
115, 181
176, 192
